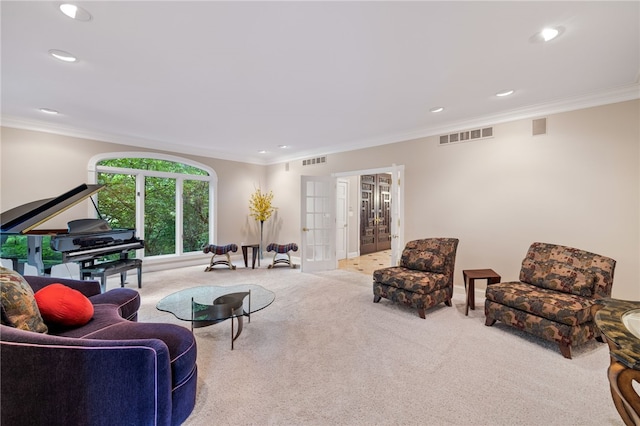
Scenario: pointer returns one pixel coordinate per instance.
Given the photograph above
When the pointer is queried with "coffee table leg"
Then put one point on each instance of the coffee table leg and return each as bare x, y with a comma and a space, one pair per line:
240, 323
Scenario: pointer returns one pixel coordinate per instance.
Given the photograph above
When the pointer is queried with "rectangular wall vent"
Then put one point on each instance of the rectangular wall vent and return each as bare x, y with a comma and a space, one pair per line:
466, 135
317, 160
539, 126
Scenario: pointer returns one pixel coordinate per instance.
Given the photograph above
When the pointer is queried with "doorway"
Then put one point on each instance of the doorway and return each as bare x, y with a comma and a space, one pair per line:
354, 257
375, 213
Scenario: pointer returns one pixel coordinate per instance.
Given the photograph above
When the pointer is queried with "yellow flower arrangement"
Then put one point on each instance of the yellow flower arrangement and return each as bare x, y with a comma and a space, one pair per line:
260, 206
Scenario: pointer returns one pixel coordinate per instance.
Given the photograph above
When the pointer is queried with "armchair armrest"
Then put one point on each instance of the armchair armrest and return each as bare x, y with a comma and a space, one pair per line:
88, 288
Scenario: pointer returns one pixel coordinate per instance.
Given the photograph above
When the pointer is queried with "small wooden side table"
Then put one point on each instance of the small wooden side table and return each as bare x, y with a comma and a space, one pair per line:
470, 275
255, 248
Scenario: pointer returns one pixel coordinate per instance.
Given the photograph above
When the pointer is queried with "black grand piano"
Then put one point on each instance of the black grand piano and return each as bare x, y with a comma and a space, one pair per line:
84, 241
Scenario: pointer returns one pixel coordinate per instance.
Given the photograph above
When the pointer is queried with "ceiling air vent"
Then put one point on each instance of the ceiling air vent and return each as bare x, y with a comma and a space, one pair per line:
466, 135
317, 160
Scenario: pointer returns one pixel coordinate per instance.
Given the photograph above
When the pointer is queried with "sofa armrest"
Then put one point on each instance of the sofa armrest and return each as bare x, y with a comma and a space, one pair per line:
88, 288
83, 381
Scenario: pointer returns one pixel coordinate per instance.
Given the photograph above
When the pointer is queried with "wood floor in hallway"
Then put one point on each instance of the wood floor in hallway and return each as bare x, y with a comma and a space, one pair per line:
367, 263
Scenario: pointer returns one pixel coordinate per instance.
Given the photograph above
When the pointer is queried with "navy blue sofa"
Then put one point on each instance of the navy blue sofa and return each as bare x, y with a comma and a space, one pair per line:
111, 371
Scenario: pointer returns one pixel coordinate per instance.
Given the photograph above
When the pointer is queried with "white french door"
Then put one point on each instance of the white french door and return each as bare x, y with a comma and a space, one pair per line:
318, 221
397, 213
342, 207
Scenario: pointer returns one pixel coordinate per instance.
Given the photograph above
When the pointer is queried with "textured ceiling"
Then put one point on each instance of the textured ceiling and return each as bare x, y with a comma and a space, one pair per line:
229, 79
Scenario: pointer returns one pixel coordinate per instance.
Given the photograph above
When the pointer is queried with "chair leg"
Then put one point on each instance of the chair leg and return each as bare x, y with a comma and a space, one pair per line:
489, 322
231, 265
421, 313
565, 350
215, 262
281, 260
376, 299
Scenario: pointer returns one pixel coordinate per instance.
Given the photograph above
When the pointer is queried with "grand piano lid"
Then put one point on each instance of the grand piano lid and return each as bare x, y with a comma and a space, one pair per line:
22, 219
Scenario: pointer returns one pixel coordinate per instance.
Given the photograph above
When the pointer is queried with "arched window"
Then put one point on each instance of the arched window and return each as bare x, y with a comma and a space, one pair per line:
170, 201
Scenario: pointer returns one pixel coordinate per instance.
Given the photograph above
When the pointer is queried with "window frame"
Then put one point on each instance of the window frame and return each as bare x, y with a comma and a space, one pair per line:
140, 174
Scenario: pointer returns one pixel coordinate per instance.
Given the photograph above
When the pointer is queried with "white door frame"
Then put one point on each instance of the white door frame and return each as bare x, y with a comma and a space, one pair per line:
397, 203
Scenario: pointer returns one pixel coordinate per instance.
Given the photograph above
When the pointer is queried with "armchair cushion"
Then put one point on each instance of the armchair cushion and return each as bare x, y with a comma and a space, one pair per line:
556, 306
410, 280
19, 306
422, 260
554, 275
63, 305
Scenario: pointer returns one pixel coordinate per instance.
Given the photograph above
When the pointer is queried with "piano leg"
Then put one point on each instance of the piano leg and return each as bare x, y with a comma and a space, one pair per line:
34, 252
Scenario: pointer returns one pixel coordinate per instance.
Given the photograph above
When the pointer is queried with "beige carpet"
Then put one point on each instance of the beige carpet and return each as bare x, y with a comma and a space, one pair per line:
324, 354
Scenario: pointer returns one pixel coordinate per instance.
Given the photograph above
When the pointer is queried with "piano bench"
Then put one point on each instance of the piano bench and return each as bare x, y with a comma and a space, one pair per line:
103, 270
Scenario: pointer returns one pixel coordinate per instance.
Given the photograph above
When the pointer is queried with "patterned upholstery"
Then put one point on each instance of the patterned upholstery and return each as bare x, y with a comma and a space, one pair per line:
424, 277
556, 296
282, 249
220, 251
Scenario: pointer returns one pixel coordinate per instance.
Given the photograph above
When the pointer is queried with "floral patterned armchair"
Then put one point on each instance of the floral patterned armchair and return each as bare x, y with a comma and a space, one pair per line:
556, 297
424, 277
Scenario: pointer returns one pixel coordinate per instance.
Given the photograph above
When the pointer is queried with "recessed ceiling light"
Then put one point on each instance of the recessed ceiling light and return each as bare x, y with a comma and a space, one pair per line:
48, 111
505, 93
547, 34
75, 12
262, 152
283, 146
62, 55
437, 109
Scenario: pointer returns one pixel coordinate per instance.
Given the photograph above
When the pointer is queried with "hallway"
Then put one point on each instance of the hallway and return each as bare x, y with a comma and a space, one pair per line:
367, 263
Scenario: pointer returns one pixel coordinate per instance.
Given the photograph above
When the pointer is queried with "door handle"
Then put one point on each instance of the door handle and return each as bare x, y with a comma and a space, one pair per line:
305, 229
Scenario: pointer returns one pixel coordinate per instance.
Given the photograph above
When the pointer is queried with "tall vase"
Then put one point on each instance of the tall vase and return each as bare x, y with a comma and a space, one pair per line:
261, 246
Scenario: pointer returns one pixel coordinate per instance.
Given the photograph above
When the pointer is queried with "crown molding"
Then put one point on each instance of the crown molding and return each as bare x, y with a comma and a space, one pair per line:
40, 126
611, 96
615, 95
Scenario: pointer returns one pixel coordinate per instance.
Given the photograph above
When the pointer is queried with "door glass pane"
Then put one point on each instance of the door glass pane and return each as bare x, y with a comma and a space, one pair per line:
160, 216
308, 253
195, 211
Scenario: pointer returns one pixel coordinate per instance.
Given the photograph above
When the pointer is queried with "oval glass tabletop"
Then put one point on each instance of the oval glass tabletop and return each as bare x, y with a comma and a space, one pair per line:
631, 320
181, 302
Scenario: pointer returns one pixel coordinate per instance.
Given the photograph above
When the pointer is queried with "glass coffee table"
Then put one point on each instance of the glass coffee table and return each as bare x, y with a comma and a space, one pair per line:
208, 305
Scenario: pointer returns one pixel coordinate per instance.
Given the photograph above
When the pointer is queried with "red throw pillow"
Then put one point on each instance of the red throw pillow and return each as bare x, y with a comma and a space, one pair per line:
62, 305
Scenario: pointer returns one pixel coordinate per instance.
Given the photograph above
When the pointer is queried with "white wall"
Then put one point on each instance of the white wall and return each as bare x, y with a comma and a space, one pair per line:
37, 165
578, 185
